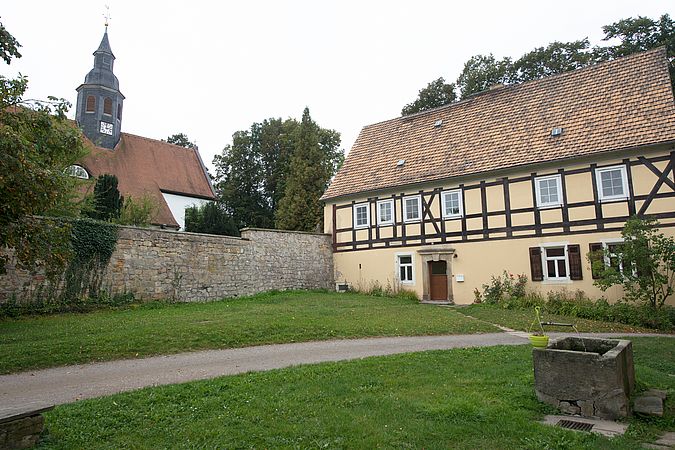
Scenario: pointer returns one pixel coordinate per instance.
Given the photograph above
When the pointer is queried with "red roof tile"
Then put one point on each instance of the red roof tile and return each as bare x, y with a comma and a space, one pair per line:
614, 105
144, 165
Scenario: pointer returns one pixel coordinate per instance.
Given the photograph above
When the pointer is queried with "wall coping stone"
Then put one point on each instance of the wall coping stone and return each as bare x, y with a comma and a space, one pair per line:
182, 233
271, 230
20, 413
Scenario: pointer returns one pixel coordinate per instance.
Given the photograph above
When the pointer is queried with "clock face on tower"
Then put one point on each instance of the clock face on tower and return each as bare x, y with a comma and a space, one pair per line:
106, 128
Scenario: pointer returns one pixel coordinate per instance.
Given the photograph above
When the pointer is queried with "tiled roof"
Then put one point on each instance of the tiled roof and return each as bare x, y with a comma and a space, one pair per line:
149, 166
614, 105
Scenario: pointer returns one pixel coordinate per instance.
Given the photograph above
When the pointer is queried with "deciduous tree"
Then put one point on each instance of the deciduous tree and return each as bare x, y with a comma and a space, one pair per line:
37, 143
253, 173
239, 182
181, 139
638, 35
210, 218
9, 46
645, 263
436, 94
481, 72
557, 57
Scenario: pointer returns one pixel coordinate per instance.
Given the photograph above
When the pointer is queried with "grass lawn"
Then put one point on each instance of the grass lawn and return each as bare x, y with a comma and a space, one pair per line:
520, 319
156, 328
466, 398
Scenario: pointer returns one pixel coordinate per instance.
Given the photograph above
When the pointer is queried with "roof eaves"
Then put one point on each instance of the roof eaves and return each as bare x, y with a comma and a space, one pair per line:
493, 171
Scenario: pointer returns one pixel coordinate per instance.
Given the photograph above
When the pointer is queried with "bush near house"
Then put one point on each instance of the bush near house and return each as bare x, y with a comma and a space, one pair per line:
644, 267
576, 304
509, 292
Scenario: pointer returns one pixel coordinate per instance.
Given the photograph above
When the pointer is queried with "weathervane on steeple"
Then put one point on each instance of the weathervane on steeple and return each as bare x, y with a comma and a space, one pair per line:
107, 16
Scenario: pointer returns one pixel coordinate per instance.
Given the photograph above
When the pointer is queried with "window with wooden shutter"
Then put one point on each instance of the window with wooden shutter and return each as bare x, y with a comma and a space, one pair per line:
574, 253
595, 255
536, 270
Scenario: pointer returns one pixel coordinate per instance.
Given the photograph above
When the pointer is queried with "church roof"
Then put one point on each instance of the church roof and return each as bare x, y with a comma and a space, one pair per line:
104, 46
621, 104
152, 167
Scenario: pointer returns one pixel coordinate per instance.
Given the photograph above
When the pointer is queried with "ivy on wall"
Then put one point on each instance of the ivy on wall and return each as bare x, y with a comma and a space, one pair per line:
92, 243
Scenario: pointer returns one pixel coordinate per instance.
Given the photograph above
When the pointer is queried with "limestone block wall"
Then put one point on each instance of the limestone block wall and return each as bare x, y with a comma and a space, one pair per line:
160, 264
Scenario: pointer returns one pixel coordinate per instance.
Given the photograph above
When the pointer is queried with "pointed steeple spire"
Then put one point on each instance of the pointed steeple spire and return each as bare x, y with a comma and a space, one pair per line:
99, 100
104, 47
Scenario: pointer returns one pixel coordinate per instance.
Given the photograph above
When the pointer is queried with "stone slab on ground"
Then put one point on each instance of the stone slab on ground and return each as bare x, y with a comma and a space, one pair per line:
606, 428
665, 442
649, 404
21, 428
668, 439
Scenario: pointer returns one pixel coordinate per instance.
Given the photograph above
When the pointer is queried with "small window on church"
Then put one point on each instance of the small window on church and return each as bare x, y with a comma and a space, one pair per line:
119, 111
91, 103
107, 106
77, 172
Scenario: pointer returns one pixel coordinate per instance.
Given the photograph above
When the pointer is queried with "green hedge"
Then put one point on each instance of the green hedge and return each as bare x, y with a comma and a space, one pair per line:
578, 305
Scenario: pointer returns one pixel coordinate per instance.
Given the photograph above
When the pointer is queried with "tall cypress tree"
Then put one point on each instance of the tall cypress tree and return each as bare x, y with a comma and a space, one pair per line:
308, 176
107, 199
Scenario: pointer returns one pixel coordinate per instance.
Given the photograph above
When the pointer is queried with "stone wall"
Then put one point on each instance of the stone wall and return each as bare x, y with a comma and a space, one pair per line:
159, 264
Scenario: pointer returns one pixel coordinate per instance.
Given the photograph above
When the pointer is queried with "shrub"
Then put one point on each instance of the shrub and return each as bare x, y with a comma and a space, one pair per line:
376, 289
504, 287
14, 308
210, 218
138, 212
646, 268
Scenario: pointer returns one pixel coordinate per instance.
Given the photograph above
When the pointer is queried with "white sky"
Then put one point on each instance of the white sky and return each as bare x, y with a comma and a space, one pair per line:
210, 68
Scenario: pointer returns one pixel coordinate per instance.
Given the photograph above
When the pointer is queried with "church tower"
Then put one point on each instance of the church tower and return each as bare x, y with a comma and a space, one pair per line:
99, 100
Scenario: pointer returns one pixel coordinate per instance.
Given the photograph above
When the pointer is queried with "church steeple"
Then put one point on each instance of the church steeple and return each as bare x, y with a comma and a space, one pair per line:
99, 100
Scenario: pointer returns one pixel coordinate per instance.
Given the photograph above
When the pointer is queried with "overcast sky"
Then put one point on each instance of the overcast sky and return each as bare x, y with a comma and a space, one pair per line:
210, 68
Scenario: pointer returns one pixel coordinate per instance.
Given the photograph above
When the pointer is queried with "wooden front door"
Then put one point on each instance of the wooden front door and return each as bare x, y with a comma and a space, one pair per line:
438, 280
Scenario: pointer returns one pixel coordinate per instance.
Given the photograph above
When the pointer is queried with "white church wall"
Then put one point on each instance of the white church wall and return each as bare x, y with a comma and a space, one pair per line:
178, 203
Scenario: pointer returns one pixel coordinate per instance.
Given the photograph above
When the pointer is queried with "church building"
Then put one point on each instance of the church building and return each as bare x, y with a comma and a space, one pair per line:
174, 177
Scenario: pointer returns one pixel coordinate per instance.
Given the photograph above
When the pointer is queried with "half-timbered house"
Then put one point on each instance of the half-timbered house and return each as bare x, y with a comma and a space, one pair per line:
525, 178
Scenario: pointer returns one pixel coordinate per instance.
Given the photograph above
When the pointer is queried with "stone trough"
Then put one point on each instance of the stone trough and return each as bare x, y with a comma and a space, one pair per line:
587, 376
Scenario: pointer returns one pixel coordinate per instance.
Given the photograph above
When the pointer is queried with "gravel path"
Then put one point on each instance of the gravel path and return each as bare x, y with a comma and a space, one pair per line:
34, 389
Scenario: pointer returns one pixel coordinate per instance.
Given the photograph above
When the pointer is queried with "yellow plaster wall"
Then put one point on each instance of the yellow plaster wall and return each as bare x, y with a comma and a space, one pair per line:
477, 261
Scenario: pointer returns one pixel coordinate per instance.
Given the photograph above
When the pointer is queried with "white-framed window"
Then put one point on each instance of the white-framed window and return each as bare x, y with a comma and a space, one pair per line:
452, 204
412, 208
612, 253
549, 191
555, 262
77, 172
404, 268
385, 212
612, 183
362, 215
